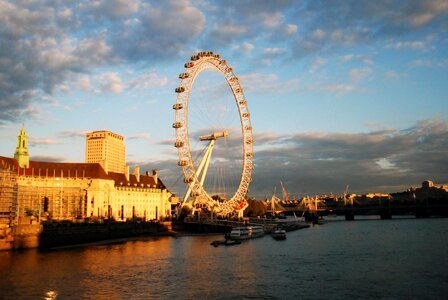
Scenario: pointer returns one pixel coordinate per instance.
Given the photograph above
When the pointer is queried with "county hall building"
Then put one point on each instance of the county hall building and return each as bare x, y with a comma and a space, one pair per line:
102, 187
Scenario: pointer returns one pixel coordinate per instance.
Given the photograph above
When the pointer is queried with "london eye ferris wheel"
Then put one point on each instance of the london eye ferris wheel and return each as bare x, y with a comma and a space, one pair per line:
195, 145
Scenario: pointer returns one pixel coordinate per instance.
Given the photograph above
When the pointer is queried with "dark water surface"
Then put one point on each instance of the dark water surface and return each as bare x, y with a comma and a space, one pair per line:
372, 259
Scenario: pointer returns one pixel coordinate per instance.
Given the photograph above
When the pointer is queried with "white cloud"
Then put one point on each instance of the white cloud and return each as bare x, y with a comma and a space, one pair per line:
148, 80
139, 136
111, 82
268, 83
318, 34
359, 74
428, 11
414, 45
316, 64
290, 29
430, 63
245, 49
338, 89
346, 58
83, 82
393, 75
272, 20
274, 51
35, 141
384, 163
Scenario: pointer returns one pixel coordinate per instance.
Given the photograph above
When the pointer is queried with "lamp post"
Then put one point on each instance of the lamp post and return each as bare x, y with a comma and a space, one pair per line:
58, 184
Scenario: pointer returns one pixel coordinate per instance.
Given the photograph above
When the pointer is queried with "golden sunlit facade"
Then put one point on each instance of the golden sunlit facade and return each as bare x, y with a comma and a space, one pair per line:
69, 191
106, 148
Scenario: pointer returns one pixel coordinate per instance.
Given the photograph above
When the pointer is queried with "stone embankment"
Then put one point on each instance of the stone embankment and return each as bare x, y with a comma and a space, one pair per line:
20, 236
57, 234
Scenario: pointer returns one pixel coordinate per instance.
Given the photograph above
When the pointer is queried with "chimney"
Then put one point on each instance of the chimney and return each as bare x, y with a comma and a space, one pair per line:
154, 175
126, 173
137, 173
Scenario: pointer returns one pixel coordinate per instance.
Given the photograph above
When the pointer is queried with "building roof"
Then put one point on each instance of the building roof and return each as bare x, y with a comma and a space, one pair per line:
79, 170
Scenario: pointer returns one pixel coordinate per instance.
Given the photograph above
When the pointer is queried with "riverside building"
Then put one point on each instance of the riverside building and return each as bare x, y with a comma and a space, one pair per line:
31, 190
106, 148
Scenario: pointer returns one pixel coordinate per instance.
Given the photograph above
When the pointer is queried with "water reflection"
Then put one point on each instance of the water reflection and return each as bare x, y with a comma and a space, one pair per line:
382, 259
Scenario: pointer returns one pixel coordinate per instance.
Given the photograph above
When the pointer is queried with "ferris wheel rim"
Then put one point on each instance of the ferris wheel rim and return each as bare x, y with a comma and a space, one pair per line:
199, 63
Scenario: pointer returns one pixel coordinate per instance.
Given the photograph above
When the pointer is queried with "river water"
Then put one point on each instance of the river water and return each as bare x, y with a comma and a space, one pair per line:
363, 259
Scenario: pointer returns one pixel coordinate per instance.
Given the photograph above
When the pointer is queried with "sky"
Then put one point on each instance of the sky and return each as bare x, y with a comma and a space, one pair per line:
340, 92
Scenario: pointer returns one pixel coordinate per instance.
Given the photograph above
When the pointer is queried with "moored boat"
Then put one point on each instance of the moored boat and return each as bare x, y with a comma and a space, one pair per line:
246, 232
279, 234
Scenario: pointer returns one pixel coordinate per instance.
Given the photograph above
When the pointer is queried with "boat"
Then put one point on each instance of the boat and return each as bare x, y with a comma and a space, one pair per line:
279, 234
246, 232
226, 242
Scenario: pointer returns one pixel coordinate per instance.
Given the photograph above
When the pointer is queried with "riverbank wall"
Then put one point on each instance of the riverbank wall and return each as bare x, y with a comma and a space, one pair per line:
58, 234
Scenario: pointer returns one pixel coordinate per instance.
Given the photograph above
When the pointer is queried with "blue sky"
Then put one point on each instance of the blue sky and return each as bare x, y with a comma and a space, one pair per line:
340, 92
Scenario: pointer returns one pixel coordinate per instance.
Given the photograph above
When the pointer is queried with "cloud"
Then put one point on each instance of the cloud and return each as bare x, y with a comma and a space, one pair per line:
37, 55
139, 136
72, 134
43, 142
148, 80
111, 82
430, 63
312, 163
272, 20
226, 33
83, 82
324, 162
163, 30
316, 64
47, 158
414, 45
426, 12
112, 9
334, 88
334, 26
245, 49
359, 74
268, 83
290, 29
274, 51
393, 75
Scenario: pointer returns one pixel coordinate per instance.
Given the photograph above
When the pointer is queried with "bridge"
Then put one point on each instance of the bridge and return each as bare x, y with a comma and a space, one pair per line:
384, 211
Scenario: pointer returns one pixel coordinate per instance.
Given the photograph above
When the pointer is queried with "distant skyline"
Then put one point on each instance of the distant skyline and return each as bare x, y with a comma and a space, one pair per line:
340, 92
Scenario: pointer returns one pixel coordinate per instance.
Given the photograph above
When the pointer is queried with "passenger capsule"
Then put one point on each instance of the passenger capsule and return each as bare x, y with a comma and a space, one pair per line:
216, 56
233, 79
178, 106
188, 180
184, 75
249, 154
180, 89
243, 102
228, 70
189, 65
177, 124
248, 127
194, 57
249, 141
246, 115
182, 163
238, 90
178, 144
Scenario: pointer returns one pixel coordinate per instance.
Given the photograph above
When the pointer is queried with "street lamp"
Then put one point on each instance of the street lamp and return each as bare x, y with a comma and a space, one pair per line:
58, 184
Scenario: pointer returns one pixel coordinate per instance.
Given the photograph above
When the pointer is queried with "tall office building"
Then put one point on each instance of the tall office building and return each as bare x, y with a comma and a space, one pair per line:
108, 149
